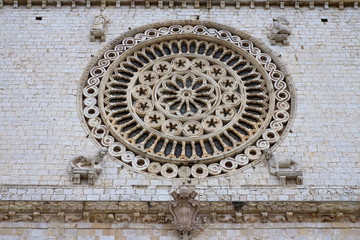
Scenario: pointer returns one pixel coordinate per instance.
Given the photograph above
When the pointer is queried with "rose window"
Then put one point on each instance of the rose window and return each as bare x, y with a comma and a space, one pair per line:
186, 101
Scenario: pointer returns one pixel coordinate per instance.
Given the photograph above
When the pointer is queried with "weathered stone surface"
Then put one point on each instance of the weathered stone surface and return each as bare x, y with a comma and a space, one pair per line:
44, 51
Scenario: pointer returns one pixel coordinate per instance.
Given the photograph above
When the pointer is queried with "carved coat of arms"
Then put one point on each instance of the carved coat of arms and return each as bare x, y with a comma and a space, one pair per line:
184, 208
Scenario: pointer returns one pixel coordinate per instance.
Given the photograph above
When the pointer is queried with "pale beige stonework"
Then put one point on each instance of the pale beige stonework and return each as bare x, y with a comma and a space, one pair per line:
41, 63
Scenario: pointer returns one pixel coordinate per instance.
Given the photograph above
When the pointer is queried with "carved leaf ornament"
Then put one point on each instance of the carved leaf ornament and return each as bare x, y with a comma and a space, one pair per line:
189, 100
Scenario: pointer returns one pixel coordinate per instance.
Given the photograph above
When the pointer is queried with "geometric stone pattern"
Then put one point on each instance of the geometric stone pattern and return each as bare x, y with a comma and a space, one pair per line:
187, 101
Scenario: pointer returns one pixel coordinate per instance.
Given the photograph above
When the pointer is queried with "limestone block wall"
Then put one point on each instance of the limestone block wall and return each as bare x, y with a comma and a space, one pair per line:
44, 52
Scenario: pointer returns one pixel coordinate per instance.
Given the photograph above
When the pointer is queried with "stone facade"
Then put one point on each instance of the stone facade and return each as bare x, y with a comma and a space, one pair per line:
45, 50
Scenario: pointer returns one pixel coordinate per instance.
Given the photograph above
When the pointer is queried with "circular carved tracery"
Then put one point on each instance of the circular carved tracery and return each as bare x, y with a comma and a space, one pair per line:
186, 101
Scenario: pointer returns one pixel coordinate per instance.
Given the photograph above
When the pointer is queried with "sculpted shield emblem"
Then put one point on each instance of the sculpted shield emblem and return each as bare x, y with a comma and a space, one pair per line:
184, 208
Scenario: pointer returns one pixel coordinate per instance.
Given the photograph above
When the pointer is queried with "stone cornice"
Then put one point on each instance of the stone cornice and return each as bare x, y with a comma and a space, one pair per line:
157, 212
204, 4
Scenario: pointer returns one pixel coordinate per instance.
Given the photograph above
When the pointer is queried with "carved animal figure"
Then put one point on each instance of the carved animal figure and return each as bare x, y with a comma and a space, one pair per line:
279, 31
276, 164
91, 163
328, 218
122, 218
98, 29
99, 22
250, 218
22, 217
73, 217
4, 217
226, 218
279, 26
149, 218
277, 218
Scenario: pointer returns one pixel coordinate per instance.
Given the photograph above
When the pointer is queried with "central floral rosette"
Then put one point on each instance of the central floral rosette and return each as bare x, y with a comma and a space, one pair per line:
186, 95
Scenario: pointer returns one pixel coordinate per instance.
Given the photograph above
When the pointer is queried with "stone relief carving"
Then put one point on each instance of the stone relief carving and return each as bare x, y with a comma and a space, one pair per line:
251, 218
109, 206
184, 209
130, 206
73, 217
225, 218
98, 29
284, 168
186, 100
149, 218
4, 217
123, 217
87, 168
279, 31
251, 212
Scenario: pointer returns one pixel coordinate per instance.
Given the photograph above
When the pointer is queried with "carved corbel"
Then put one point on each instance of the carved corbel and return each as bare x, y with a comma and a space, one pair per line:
86, 216
184, 209
284, 168
264, 217
213, 217
161, 217
238, 217
136, 217
110, 218
87, 168
339, 216
36, 217
290, 216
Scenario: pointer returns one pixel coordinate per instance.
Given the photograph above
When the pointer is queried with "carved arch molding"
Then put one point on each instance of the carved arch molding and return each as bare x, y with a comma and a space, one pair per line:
186, 99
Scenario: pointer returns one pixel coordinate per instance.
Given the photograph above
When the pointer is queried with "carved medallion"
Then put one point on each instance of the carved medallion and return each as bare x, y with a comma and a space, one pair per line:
190, 100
